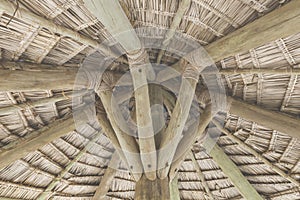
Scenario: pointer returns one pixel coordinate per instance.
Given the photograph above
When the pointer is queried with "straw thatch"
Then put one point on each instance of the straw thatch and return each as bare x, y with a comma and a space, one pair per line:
72, 166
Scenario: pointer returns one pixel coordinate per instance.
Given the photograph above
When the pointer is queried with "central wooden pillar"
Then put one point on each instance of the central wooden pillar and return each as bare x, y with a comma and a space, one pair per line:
146, 189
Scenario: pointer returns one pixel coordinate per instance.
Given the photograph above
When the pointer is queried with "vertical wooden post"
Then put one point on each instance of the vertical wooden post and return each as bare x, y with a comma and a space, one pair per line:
146, 189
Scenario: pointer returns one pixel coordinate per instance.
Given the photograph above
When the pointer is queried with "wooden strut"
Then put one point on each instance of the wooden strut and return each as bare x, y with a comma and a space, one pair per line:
9, 8
57, 179
173, 134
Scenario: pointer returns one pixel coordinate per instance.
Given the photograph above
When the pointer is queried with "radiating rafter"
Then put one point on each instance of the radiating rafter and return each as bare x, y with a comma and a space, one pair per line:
39, 138
231, 170
251, 36
275, 120
256, 154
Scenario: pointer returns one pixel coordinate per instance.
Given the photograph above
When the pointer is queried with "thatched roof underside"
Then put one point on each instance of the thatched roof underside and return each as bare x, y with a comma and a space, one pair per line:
205, 21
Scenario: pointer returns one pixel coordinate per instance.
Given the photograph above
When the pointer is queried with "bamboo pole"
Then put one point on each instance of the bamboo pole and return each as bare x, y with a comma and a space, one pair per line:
107, 178
231, 170
9, 8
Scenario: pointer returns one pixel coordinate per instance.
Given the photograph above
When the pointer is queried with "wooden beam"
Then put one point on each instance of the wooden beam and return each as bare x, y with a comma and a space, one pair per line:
271, 119
193, 134
143, 115
28, 16
174, 191
20, 80
262, 31
39, 138
111, 135
127, 142
155, 190
201, 175
173, 133
182, 8
59, 177
256, 154
231, 170
112, 16
107, 178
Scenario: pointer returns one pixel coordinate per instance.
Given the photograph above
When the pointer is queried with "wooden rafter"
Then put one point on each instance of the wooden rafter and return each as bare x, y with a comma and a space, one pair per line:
201, 175
37, 139
112, 16
271, 119
251, 35
231, 170
9, 8
182, 8
263, 30
59, 177
107, 178
26, 76
256, 154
